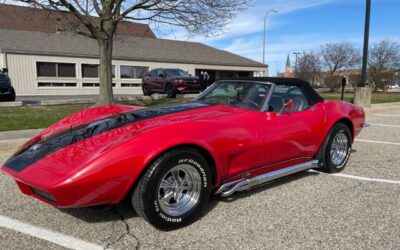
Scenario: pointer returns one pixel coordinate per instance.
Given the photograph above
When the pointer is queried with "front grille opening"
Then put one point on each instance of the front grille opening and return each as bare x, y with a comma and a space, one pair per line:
43, 194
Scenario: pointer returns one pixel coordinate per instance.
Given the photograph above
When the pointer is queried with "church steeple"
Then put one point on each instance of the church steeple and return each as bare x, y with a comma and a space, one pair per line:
288, 66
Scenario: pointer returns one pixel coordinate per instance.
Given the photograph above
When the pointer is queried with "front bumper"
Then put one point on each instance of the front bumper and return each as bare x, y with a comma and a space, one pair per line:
189, 88
64, 193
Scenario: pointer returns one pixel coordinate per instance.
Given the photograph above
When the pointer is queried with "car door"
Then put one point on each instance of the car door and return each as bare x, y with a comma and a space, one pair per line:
159, 80
289, 136
149, 79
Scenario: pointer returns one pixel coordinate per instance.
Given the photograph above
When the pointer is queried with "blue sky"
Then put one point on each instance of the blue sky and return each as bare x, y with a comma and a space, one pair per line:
300, 25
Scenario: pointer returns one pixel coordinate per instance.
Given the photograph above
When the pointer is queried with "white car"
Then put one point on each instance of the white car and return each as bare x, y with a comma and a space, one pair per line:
394, 86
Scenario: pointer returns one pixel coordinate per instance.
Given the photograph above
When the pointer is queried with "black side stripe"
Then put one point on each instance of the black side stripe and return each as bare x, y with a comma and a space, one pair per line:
32, 153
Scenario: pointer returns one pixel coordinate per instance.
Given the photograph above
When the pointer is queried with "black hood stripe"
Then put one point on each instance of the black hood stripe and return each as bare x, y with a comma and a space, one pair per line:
57, 141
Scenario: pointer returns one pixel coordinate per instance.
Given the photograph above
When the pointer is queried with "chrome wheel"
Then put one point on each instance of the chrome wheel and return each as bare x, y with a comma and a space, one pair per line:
339, 148
179, 190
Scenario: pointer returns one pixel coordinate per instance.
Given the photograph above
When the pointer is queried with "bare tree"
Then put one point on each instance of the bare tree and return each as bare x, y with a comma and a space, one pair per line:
98, 19
308, 66
339, 56
383, 60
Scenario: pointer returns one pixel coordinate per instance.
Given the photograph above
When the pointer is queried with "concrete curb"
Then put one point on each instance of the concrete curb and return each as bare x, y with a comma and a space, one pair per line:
11, 104
69, 101
91, 100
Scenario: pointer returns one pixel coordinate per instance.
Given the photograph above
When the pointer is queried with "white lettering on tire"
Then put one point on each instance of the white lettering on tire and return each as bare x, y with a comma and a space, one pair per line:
199, 167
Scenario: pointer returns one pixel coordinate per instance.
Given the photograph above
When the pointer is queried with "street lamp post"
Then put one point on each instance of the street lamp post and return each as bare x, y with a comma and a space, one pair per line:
265, 25
366, 44
363, 93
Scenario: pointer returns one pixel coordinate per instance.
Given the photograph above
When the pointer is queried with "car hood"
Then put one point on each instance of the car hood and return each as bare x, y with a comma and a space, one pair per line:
81, 138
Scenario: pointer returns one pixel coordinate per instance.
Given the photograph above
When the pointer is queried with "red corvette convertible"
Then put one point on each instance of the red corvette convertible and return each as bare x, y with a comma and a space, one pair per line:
237, 134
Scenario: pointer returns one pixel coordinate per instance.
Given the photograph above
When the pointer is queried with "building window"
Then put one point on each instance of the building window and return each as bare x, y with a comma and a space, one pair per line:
48, 69
93, 85
133, 72
92, 71
56, 84
130, 85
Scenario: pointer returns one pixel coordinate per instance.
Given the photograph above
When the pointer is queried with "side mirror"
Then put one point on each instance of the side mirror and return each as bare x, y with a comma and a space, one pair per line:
4, 70
161, 75
288, 105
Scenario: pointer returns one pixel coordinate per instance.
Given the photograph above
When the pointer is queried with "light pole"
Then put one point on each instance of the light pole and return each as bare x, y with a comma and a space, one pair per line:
366, 44
265, 25
362, 93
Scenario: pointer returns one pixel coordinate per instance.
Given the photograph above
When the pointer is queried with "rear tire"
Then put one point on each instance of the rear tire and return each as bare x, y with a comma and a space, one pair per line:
12, 96
169, 89
173, 190
336, 149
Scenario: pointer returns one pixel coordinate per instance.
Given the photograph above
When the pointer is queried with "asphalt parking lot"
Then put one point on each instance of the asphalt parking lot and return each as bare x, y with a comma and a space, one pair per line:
356, 209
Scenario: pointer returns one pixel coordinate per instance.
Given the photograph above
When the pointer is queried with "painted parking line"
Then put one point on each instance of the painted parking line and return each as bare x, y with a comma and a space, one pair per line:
378, 142
384, 125
389, 115
41, 233
361, 178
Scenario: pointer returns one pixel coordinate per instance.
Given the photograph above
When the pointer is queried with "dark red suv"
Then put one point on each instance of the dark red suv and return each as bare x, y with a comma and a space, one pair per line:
171, 82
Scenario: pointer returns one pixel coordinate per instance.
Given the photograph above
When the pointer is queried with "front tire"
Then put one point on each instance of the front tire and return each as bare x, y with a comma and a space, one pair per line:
174, 189
336, 149
146, 90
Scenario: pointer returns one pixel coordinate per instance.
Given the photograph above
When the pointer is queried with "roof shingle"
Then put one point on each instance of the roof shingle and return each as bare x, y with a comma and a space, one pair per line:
125, 47
15, 17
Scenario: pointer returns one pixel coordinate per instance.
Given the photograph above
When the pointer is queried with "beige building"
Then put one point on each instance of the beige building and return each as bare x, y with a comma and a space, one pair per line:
63, 63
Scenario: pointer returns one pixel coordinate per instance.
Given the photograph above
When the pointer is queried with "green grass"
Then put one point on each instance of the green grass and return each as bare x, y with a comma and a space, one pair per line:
379, 97
32, 117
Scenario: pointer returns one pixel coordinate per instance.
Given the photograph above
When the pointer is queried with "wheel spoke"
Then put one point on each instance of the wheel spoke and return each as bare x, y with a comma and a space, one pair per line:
175, 175
185, 185
167, 197
166, 184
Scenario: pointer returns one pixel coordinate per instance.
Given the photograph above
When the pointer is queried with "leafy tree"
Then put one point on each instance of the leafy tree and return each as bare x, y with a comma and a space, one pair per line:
98, 19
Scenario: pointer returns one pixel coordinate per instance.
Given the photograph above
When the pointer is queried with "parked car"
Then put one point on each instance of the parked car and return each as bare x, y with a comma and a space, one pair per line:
394, 86
237, 134
170, 82
7, 92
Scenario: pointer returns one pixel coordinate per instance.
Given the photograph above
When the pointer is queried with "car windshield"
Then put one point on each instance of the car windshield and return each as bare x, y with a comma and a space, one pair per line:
241, 94
176, 72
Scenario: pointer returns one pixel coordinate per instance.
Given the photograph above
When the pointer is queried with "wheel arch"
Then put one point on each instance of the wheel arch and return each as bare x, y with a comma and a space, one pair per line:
346, 121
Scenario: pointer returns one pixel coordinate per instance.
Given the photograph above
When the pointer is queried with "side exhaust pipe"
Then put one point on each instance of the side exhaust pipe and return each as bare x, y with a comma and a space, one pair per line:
244, 184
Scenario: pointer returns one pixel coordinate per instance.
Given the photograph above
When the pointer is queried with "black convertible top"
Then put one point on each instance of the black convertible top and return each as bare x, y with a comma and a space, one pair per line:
311, 95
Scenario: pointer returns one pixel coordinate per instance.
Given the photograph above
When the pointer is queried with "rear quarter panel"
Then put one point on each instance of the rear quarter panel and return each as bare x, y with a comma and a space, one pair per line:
341, 110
